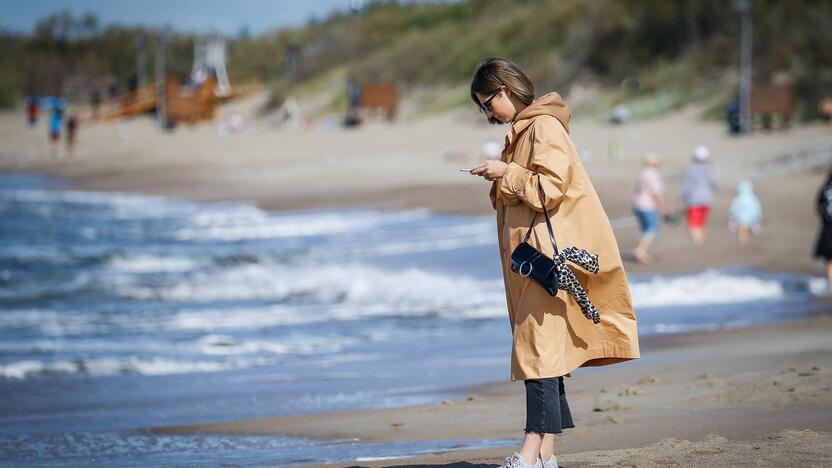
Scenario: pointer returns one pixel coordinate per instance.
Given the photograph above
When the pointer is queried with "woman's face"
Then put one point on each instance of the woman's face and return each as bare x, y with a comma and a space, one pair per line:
498, 105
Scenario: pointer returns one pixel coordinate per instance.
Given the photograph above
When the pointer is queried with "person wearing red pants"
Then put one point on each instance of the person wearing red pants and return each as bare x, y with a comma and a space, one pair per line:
698, 193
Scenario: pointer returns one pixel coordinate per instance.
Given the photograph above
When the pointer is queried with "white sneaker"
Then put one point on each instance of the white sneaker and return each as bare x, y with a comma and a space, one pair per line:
516, 461
552, 462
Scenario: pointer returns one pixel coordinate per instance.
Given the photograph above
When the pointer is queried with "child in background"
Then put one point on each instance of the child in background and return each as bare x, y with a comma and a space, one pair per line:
746, 212
698, 193
55, 124
648, 205
32, 111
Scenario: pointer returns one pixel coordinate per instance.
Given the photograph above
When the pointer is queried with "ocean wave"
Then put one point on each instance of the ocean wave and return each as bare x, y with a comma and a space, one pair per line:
297, 295
707, 287
119, 205
228, 352
146, 263
251, 223
129, 365
357, 283
226, 345
73, 284
325, 284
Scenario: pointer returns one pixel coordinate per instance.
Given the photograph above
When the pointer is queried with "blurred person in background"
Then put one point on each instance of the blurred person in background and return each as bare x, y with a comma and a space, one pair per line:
825, 109
698, 193
550, 335
491, 150
648, 205
823, 248
746, 213
95, 102
112, 92
71, 132
33, 110
732, 117
55, 124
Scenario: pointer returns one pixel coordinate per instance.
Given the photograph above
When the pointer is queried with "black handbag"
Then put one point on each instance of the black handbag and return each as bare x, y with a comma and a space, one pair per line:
529, 262
553, 273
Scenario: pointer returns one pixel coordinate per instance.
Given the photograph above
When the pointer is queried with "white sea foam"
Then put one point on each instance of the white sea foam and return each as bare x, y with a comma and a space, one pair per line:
120, 205
23, 369
130, 365
708, 287
818, 286
407, 290
242, 224
145, 263
295, 343
352, 283
353, 292
226, 345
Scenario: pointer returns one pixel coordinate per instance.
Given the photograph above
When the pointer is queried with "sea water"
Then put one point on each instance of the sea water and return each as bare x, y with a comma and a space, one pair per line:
120, 312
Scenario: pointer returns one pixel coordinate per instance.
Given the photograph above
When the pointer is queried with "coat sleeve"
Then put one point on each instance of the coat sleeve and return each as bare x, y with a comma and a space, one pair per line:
550, 158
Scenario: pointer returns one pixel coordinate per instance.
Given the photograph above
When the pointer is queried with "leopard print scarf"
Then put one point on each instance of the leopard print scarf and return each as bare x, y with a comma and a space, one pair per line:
569, 283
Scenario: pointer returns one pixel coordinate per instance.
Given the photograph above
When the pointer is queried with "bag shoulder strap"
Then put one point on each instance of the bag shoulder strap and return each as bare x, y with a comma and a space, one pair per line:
546, 213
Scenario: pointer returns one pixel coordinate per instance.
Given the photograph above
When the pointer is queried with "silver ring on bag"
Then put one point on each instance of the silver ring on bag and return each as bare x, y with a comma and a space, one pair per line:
520, 270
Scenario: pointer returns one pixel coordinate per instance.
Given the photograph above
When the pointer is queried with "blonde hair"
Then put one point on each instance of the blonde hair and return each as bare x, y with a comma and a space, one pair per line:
651, 158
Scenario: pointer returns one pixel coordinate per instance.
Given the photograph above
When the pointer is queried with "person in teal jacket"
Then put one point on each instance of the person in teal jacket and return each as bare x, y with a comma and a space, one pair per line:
746, 212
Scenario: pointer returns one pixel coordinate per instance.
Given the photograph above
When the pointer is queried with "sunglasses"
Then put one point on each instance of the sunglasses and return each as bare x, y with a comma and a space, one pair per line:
486, 105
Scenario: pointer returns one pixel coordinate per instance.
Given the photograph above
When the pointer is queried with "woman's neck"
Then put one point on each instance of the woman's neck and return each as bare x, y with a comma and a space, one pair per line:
519, 106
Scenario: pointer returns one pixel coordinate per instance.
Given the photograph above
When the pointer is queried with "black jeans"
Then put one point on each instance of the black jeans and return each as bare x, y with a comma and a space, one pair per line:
546, 408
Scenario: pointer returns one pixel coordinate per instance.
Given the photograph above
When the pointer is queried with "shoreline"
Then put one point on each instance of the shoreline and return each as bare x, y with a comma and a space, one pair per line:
415, 163
768, 378
673, 253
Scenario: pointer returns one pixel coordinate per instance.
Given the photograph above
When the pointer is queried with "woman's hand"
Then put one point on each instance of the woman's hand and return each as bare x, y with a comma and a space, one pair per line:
491, 169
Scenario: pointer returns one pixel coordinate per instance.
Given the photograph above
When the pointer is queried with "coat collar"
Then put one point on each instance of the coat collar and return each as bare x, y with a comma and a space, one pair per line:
517, 128
548, 104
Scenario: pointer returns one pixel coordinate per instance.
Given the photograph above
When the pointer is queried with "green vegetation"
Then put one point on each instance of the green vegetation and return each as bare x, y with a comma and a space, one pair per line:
676, 50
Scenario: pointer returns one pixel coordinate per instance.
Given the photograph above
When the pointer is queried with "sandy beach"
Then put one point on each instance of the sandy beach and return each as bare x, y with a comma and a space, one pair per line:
758, 396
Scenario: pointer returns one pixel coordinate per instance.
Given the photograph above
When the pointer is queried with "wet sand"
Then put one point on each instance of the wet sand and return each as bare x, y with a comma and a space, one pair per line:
758, 396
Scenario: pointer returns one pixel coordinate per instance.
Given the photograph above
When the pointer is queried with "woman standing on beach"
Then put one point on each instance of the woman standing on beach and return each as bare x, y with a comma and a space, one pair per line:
551, 337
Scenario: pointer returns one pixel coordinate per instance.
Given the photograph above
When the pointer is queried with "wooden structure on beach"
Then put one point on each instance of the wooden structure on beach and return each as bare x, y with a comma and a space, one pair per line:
190, 107
140, 101
770, 101
380, 97
208, 86
181, 104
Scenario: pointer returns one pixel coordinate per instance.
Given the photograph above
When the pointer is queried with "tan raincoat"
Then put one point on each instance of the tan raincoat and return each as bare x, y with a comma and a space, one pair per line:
551, 336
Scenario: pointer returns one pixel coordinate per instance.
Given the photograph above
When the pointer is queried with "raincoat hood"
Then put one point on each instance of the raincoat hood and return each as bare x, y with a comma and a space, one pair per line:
548, 104
746, 208
745, 189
